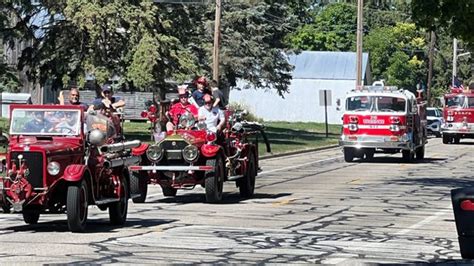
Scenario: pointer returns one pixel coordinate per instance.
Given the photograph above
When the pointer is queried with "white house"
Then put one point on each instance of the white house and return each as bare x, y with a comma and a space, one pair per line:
314, 72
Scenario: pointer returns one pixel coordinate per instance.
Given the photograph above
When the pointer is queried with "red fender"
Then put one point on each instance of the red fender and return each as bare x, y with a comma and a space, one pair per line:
140, 150
210, 150
74, 172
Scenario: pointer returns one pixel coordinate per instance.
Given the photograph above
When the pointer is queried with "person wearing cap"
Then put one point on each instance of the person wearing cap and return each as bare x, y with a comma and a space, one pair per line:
38, 124
180, 108
201, 90
211, 115
73, 98
108, 101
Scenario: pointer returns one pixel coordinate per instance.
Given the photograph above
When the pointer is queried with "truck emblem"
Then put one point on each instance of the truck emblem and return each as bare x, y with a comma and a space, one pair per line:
173, 143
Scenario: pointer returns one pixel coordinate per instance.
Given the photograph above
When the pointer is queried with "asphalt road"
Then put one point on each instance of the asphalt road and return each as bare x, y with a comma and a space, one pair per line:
308, 208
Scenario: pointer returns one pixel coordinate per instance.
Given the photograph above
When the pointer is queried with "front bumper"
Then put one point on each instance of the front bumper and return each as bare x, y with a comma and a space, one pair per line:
377, 142
177, 168
457, 128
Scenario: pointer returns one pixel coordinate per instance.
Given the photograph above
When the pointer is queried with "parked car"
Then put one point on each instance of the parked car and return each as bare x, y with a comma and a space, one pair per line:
60, 160
435, 120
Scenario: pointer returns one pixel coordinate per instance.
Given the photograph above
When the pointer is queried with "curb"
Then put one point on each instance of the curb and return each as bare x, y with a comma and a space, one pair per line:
271, 156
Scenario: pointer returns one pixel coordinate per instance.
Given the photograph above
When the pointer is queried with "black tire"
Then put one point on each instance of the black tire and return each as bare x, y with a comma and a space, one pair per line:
7, 207
407, 156
77, 206
169, 191
348, 154
214, 183
118, 210
446, 139
138, 186
246, 184
369, 154
31, 215
438, 134
456, 140
420, 153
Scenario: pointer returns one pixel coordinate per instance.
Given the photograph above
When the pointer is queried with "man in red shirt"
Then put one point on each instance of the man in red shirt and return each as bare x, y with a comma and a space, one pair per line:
180, 108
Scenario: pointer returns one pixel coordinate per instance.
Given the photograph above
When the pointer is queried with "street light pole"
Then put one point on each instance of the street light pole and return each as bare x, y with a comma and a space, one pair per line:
215, 51
360, 13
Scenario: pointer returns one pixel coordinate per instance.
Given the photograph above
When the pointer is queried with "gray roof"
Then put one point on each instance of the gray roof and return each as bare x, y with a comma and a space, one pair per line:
326, 65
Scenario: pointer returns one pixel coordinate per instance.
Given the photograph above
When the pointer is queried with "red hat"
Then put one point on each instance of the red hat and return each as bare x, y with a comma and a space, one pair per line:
201, 80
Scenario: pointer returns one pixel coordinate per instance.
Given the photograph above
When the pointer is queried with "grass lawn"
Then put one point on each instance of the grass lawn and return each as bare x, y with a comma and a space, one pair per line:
283, 136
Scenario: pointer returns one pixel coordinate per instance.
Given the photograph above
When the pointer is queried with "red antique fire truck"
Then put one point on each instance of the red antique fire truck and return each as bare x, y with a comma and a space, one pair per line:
383, 119
458, 114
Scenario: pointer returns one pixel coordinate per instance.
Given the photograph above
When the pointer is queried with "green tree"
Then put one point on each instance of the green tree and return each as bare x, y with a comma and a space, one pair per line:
397, 54
454, 15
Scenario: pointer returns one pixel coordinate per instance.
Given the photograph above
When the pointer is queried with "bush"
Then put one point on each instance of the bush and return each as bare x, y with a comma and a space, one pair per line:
250, 117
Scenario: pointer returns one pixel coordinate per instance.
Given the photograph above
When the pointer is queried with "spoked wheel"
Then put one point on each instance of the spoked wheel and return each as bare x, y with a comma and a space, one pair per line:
247, 183
214, 182
118, 210
31, 215
169, 191
138, 187
77, 206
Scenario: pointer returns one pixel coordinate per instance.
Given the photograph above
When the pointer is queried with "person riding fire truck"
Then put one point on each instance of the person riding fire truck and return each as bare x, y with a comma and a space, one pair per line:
458, 115
383, 119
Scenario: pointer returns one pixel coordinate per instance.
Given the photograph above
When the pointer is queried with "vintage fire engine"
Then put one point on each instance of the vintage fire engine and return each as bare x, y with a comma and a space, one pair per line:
383, 119
458, 114
61, 160
191, 155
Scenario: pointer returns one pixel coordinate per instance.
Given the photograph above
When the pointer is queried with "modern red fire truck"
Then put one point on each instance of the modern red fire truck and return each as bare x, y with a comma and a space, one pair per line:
383, 119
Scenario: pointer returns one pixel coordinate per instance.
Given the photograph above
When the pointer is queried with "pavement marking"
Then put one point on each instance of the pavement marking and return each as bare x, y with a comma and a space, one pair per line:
353, 181
299, 165
423, 222
283, 202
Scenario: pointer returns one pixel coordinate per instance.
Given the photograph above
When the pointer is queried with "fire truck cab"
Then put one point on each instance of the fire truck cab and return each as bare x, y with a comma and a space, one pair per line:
383, 119
458, 114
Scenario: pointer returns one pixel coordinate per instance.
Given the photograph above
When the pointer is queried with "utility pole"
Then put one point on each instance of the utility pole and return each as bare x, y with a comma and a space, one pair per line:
215, 52
430, 66
360, 13
455, 60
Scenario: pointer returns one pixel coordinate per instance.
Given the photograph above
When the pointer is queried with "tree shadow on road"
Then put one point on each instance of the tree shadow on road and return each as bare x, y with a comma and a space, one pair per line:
398, 159
93, 225
228, 198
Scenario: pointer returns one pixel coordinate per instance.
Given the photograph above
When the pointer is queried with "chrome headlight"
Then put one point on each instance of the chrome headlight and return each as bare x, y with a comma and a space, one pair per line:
190, 153
53, 168
154, 152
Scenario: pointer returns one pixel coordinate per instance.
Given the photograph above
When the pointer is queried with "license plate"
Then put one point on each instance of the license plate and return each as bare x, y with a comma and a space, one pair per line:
174, 155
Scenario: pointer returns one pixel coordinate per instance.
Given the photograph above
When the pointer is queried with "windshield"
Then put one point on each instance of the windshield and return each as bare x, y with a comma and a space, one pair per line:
376, 104
100, 122
44, 122
433, 112
460, 101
